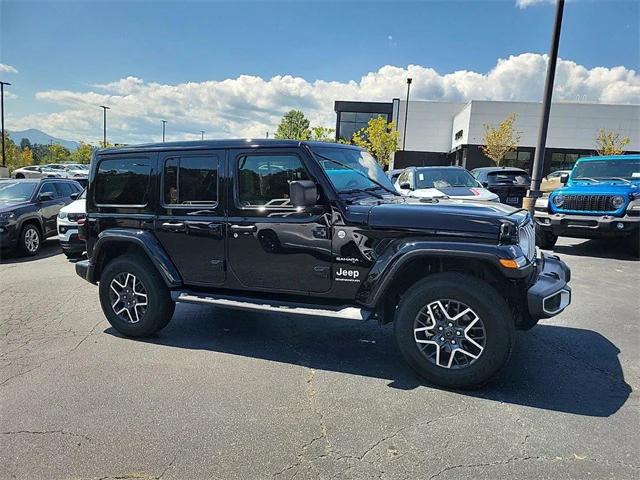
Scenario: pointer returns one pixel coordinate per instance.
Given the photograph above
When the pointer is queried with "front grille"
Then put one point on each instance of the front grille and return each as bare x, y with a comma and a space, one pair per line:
527, 233
591, 203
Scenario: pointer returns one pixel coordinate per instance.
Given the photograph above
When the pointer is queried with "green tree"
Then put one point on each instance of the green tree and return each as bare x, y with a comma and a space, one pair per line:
83, 153
610, 143
293, 126
323, 134
12, 152
40, 153
58, 153
379, 138
25, 143
500, 140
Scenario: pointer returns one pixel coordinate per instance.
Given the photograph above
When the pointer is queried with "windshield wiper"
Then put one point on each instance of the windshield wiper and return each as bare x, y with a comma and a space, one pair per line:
349, 167
364, 190
619, 178
587, 179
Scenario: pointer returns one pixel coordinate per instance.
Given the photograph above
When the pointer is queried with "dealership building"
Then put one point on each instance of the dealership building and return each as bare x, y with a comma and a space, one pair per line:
451, 133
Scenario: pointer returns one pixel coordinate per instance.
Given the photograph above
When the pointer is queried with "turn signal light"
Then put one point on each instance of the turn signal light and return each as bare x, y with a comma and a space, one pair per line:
508, 263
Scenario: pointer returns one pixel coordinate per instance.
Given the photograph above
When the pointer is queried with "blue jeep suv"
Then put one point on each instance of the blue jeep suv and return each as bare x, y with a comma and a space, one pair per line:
600, 199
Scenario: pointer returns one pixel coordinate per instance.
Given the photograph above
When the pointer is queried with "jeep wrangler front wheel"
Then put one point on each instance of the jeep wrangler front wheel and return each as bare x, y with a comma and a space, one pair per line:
454, 330
134, 298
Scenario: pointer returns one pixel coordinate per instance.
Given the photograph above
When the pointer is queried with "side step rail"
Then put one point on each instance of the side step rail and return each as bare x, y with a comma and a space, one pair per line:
245, 303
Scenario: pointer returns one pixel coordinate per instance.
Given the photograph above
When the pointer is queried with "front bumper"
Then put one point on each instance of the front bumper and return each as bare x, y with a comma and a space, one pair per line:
587, 226
8, 235
550, 293
84, 269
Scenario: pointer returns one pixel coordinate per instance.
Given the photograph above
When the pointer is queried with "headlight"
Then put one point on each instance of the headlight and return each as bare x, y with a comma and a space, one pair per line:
558, 200
542, 203
62, 215
7, 217
617, 201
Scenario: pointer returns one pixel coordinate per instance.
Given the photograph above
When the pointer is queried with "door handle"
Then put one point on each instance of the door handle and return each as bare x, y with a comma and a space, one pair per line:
174, 226
243, 228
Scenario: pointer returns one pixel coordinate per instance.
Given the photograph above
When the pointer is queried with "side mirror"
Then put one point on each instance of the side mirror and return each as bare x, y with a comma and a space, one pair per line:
45, 197
483, 184
303, 193
38, 169
405, 186
564, 178
74, 196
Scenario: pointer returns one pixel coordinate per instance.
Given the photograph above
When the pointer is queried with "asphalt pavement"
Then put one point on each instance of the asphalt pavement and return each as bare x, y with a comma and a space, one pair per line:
235, 395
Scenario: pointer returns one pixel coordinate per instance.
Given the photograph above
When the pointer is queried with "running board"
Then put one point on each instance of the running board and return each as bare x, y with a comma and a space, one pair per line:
244, 303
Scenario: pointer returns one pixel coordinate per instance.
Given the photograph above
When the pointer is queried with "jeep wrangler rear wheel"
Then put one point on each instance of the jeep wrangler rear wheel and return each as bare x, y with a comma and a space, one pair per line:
454, 330
134, 298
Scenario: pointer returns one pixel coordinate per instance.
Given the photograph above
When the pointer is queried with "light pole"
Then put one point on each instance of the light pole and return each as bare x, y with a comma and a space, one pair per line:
164, 123
201, 134
2, 84
104, 125
529, 201
406, 114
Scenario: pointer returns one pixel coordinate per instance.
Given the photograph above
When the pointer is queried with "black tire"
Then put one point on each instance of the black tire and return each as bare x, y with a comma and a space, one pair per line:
484, 300
546, 240
19, 175
30, 240
159, 308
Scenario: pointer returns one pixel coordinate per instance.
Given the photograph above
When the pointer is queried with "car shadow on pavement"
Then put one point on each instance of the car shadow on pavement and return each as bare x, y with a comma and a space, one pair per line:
553, 367
615, 249
49, 248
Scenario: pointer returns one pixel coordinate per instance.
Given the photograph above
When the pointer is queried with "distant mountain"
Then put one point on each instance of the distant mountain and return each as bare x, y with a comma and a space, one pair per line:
38, 136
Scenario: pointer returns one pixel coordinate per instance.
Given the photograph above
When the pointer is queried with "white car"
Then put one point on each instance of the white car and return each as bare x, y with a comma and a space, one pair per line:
68, 227
36, 171
434, 182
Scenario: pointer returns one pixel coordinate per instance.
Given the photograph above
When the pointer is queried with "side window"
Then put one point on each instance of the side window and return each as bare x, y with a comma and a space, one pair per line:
404, 177
264, 179
64, 189
123, 181
191, 181
49, 187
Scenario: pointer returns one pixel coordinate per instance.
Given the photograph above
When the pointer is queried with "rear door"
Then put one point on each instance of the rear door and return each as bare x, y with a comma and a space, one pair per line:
272, 244
191, 221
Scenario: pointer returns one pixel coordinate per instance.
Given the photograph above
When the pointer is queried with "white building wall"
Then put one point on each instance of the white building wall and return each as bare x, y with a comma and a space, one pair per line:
461, 123
429, 125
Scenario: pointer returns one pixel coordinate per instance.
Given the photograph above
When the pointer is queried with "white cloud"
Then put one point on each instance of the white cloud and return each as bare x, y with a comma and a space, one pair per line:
4, 68
529, 3
249, 106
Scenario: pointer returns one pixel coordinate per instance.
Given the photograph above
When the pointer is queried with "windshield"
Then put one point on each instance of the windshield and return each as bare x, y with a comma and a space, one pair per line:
363, 171
16, 191
509, 177
444, 177
595, 170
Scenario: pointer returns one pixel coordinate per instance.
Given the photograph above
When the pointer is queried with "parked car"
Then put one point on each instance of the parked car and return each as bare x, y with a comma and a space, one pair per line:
35, 171
509, 183
600, 199
28, 210
68, 219
434, 182
552, 181
313, 228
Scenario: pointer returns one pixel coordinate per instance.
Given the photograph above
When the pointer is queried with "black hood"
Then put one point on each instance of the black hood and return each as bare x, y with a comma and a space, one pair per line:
9, 206
445, 216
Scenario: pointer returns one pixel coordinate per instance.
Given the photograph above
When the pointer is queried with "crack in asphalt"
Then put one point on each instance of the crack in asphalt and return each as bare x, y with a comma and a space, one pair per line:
47, 432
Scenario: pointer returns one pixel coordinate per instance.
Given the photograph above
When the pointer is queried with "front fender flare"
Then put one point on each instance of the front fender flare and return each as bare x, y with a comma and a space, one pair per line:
149, 244
397, 255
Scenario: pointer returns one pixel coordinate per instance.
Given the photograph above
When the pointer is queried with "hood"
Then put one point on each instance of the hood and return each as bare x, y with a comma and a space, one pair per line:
476, 193
609, 187
9, 206
448, 216
75, 207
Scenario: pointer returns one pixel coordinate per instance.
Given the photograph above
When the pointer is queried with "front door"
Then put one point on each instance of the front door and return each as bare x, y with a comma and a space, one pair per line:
49, 209
191, 224
272, 244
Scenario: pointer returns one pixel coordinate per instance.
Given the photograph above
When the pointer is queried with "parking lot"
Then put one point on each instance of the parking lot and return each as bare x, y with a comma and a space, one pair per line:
230, 394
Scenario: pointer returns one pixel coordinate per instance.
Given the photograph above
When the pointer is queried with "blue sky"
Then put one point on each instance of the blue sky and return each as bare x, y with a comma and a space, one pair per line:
74, 46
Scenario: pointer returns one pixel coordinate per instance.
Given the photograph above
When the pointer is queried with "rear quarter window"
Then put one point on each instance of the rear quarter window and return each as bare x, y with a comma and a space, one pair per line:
123, 181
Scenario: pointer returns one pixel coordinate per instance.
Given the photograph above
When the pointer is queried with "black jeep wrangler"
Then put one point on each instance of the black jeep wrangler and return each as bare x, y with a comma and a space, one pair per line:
314, 229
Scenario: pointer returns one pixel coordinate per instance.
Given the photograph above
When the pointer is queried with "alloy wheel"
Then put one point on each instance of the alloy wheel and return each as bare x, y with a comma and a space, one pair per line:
449, 334
31, 240
129, 299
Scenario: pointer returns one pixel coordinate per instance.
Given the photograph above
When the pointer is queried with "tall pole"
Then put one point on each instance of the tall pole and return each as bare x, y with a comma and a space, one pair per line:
201, 134
164, 123
2, 84
50, 151
538, 159
104, 125
406, 115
